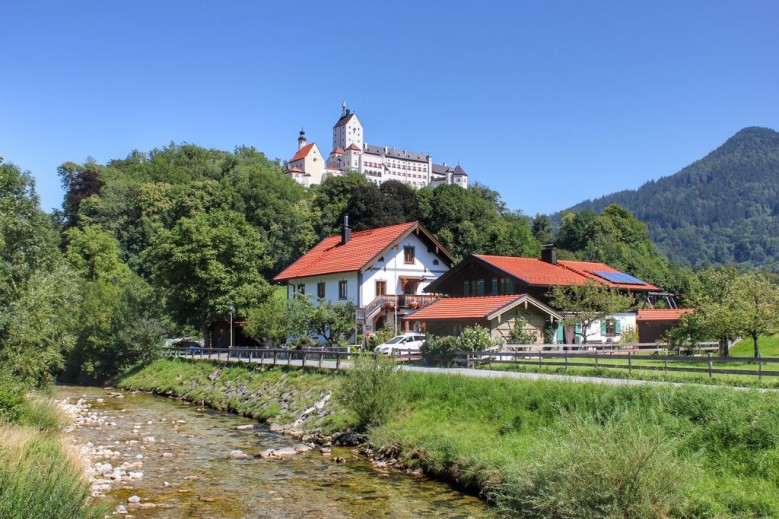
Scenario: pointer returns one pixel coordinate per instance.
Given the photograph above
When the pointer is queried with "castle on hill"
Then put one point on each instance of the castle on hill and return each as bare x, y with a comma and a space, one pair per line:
377, 163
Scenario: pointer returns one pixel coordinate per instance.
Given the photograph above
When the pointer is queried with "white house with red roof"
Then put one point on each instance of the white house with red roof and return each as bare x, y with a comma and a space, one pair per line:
383, 272
378, 163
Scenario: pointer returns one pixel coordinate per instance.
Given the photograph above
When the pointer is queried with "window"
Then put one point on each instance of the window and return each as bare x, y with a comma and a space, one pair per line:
381, 288
408, 255
342, 289
320, 290
480, 287
466, 288
494, 287
302, 288
609, 327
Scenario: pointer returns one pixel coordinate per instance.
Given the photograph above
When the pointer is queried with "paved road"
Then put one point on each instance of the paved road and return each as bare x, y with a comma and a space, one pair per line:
467, 372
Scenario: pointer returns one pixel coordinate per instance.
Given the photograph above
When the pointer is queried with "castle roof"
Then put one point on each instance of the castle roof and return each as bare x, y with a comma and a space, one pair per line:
344, 120
354, 147
394, 153
303, 152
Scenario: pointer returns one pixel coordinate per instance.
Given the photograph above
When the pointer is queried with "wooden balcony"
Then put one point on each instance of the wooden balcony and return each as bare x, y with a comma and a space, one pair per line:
390, 302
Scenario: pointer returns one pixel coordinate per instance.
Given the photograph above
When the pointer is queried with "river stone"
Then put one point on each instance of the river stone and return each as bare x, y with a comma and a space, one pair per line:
245, 427
133, 499
284, 452
238, 455
121, 509
267, 453
167, 455
302, 448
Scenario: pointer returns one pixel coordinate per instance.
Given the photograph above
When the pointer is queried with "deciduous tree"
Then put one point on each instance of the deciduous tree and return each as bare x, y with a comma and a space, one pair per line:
586, 303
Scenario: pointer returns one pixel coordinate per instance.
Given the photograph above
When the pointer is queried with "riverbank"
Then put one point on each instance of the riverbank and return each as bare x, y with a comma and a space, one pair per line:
545, 448
41, 475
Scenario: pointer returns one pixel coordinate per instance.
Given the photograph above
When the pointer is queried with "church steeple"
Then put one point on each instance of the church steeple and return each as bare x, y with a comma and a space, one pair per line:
301, 139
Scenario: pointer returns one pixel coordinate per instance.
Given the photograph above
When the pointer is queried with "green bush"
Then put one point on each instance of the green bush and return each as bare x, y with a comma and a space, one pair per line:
595, 467
439, 351
475, 338
372, 389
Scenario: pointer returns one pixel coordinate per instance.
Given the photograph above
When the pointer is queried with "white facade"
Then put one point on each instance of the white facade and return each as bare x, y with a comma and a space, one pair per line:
381, 163
392, 273
599, 333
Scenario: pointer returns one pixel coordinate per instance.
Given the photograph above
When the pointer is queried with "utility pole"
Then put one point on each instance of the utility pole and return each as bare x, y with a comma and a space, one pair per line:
232, 309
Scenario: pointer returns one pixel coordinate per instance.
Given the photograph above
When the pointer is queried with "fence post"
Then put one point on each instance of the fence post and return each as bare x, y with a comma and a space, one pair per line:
760, 366
566, 359
540, 359
337, 360
321, 354
275, 355
710, 366
630, 362
596, 357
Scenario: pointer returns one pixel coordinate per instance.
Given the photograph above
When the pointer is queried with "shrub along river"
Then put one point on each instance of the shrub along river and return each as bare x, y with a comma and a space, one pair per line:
175, 457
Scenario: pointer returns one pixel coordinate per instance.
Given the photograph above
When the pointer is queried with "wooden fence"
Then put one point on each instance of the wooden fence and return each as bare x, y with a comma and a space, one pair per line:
633, 357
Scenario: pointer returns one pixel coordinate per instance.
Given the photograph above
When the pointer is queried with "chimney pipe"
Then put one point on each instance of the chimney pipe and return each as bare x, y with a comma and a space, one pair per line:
346, 232
549, 253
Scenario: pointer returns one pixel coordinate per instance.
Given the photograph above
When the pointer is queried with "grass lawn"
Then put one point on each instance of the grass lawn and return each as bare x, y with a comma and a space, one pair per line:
769, 347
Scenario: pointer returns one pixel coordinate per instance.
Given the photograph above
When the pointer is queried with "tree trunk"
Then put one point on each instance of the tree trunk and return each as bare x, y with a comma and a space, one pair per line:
757, 348
206, 336
723, 346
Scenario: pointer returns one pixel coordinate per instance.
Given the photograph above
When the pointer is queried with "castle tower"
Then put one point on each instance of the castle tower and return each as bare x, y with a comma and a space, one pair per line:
347, 130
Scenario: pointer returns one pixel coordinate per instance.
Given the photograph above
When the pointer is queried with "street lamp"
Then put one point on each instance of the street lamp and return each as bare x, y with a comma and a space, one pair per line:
232, 309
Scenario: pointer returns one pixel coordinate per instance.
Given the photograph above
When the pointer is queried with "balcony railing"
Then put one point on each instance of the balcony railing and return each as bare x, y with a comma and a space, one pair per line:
389, 302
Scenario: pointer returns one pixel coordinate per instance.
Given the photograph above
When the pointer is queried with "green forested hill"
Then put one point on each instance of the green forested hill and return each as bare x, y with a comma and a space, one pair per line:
722, 208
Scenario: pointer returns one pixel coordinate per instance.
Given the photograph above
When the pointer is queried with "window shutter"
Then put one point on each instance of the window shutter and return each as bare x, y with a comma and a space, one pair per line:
560, 334
617, 329
578, 329
603, 327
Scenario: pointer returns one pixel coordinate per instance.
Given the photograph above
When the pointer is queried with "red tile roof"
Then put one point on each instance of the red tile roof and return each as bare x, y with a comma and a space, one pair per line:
534, 271
329, 256
353, 146
588, 268
338, 151
463, 308
302, 152
295, 169
537, 272
665, 314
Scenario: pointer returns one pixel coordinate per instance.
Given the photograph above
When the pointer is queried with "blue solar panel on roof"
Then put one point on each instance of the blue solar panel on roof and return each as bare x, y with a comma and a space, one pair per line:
619, 277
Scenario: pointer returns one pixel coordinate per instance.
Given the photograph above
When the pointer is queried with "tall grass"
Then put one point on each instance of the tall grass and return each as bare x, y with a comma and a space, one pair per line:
599, 467
40, 478
372, 390
537, 445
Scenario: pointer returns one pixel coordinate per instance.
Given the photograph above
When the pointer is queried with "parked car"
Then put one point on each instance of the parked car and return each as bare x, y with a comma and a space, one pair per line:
405, 343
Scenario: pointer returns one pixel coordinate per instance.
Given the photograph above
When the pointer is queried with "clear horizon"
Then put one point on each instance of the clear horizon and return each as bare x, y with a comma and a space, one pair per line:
547, 104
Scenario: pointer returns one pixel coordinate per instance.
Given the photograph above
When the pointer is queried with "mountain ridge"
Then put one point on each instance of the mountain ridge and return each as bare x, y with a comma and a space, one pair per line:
722, 208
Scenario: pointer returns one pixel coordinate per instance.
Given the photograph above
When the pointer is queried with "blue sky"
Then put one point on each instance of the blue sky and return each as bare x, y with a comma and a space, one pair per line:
547, 102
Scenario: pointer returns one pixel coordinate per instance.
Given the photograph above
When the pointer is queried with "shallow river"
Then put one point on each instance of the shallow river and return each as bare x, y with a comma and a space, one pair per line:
196, 478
